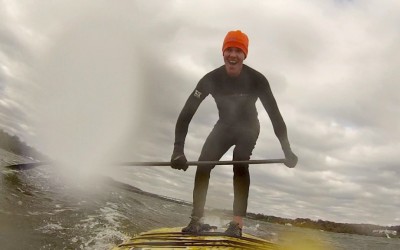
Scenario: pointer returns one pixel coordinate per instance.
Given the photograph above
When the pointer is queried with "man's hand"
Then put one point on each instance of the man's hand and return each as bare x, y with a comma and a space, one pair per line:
291, 159
178, 161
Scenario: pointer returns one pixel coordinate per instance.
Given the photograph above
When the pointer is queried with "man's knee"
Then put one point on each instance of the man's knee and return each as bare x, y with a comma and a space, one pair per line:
204, 170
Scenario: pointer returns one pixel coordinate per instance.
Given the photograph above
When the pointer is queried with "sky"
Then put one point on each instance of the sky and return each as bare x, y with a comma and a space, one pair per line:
95, 81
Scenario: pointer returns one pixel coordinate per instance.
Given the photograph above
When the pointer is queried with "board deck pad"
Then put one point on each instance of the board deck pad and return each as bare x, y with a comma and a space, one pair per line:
173, 238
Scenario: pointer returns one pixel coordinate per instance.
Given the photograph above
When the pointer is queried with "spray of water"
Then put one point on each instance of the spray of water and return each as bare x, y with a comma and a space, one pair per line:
87, 100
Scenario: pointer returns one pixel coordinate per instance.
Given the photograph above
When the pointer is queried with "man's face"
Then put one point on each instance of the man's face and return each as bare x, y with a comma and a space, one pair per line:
233, 58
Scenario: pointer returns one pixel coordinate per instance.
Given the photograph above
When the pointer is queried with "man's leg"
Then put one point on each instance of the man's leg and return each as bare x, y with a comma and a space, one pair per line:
241, 178
216, 145
241, 184
200, 189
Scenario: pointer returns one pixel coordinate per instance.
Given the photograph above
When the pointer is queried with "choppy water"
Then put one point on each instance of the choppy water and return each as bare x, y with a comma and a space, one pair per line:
39, 210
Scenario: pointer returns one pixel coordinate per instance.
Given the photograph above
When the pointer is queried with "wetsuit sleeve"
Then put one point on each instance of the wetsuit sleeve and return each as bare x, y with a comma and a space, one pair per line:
270, 105
189, 109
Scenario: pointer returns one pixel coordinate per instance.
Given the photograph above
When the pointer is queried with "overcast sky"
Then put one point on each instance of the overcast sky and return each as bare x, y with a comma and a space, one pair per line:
91, 80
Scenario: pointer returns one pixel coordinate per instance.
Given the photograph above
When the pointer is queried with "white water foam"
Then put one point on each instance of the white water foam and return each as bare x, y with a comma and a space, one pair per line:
103, 228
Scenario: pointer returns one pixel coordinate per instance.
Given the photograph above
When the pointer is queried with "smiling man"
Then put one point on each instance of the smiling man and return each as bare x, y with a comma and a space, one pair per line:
235, 87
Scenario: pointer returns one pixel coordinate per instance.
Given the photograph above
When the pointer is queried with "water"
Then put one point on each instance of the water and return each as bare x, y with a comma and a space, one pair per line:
40, 210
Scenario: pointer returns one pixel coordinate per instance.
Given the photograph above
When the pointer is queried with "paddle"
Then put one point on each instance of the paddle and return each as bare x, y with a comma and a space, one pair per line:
26, 166
202, 163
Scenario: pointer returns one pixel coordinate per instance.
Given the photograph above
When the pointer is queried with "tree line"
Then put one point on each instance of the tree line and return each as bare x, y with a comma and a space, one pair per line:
14, 144
361, 229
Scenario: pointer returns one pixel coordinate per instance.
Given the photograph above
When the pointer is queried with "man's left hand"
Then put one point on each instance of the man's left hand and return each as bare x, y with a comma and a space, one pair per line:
291, 159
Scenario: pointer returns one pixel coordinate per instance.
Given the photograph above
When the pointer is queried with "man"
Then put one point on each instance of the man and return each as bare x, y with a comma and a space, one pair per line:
235, 87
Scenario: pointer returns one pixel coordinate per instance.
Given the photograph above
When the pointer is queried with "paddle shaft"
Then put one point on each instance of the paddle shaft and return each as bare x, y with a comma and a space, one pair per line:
202, 163
26, 166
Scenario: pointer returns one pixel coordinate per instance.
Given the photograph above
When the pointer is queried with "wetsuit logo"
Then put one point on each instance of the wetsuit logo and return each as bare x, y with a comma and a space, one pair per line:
197, 94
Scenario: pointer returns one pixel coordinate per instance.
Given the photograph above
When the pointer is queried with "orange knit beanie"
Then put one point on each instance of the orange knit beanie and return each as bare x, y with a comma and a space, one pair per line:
236, 39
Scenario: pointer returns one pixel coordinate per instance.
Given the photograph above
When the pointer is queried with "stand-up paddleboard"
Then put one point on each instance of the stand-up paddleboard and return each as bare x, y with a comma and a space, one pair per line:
173, 238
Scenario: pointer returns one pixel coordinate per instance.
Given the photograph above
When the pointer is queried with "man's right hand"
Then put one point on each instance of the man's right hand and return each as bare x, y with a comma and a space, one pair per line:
178, 161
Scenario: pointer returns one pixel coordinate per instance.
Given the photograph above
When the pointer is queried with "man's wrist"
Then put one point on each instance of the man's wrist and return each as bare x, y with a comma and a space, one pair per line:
178, 148
286, 146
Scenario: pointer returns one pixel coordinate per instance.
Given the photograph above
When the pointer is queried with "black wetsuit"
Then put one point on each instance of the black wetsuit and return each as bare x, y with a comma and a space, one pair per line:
237, 125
